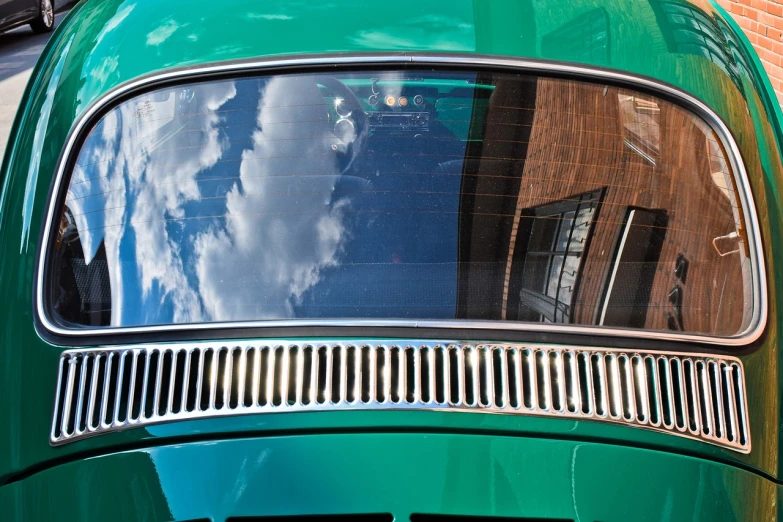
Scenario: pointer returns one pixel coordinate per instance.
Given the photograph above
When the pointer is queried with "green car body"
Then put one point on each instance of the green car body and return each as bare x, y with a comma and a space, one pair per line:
359, 462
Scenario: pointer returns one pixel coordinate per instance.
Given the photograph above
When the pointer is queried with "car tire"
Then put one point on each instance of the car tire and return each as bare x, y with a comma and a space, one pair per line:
44, 23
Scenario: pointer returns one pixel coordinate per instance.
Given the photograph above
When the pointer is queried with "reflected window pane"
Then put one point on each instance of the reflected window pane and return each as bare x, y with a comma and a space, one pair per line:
569, 223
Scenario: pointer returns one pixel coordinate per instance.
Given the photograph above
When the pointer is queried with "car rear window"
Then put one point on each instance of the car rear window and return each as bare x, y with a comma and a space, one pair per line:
413, 195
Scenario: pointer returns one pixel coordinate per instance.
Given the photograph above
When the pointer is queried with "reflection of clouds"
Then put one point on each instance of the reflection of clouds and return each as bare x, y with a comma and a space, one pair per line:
99, 67
153, 187
114, 22
162, 193
92, 213
162, 33
105, 68
268, 16
282, 226
435, 32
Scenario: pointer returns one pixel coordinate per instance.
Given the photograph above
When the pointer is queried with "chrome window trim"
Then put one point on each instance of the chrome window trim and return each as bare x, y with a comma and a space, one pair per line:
569, 393
581, 72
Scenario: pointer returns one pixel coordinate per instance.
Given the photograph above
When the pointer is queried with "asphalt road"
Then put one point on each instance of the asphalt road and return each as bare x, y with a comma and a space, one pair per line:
19, 50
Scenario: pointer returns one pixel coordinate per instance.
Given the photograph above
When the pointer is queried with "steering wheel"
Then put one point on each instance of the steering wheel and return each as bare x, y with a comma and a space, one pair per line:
352, 127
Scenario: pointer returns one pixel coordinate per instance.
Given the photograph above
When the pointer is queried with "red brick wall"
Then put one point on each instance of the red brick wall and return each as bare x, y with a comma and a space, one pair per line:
762, 21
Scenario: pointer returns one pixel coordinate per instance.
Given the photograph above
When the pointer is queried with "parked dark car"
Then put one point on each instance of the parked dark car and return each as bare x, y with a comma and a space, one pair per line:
38, 13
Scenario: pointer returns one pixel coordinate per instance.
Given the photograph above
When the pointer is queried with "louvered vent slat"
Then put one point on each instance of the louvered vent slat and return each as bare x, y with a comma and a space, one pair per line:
700, 396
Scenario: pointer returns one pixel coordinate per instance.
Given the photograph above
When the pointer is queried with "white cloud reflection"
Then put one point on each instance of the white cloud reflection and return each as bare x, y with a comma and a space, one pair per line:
268, 16
141, 169
162, 33
193, 257
282, 226
114, 22
157, 256
102, 172
431, 31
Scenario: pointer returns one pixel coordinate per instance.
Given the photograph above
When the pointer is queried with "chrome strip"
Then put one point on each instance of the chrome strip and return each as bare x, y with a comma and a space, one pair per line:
547, 395
751, 334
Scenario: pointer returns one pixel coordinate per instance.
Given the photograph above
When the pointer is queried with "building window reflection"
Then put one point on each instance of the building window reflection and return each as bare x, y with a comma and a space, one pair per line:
558, 235
585, 38
689, 30
631, 275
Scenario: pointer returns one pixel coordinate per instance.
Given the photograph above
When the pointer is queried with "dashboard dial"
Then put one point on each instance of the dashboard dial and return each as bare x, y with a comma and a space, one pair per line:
341, 108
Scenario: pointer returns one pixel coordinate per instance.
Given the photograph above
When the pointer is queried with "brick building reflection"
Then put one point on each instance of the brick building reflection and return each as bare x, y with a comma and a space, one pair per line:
588, 204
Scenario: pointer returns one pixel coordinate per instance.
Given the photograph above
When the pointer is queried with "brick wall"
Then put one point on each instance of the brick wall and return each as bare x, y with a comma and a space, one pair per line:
762, 21
563, 157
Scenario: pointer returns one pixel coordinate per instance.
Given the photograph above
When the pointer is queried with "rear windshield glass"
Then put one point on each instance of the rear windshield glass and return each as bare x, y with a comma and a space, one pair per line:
402, 194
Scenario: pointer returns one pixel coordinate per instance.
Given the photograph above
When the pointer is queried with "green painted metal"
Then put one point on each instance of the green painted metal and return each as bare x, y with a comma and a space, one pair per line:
767, 102
399, 474
103, 44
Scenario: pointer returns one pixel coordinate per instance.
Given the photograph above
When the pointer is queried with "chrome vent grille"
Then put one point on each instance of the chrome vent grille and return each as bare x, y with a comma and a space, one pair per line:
696, 396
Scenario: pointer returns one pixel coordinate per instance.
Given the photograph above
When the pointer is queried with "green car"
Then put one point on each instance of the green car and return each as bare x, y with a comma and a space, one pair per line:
432, 261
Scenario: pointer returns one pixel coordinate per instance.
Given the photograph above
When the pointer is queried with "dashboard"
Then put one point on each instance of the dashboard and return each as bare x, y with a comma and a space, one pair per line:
410, 106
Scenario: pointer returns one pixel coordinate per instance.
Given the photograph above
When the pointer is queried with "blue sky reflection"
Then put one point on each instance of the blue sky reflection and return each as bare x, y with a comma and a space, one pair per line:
232, 201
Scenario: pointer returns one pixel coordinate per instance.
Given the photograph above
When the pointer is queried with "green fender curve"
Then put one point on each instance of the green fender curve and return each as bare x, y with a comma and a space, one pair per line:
396, 473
